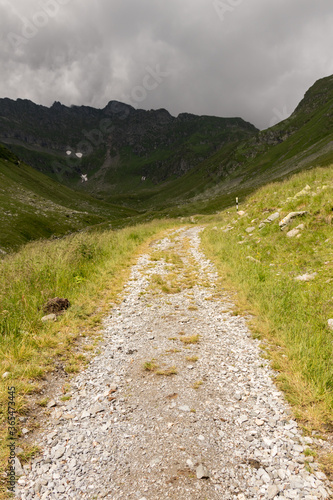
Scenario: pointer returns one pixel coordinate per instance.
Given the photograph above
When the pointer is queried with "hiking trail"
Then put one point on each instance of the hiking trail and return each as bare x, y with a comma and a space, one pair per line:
177, 404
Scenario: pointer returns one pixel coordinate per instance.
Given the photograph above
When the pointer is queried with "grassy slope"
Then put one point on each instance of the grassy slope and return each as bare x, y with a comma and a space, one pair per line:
34, 206
293, 314
151, 144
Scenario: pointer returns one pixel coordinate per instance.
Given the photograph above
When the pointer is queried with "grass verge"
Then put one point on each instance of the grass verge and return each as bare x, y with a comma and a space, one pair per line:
262, 262
89, 269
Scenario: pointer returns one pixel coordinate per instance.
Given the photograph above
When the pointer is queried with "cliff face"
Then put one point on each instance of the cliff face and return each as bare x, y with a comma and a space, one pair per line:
152, 145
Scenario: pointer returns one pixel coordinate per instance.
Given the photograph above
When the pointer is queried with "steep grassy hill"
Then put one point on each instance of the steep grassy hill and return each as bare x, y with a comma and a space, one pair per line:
34, 206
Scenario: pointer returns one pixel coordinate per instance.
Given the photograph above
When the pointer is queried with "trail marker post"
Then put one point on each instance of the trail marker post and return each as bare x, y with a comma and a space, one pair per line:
237, 204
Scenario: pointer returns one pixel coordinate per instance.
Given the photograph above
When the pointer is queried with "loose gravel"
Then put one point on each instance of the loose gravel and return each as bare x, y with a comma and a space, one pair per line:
218, 428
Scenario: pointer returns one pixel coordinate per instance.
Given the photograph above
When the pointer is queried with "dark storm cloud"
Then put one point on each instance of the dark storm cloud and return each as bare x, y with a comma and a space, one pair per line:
249, 58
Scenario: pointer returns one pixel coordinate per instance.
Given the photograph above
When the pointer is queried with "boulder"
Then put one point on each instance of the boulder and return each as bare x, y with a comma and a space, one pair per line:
292, 233
330, 323
228, 228
272, 217
303, 192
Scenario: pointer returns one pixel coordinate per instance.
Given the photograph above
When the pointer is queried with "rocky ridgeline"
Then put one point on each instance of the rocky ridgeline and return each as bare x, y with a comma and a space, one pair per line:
217, 428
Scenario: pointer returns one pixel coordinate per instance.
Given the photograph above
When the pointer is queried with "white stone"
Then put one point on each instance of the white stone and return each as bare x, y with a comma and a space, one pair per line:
272, 217
49, 317
202, 472
292, 233
272, 491
184, 408
306, 277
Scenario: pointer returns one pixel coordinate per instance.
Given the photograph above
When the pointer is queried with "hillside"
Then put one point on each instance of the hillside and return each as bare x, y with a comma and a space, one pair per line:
34, 206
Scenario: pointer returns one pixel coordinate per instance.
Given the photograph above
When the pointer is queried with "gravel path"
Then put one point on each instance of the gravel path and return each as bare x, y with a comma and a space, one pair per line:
216, 429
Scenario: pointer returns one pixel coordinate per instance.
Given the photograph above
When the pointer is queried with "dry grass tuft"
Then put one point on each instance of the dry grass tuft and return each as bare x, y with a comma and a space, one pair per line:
150, 366
194, 339
168, 371
192, 358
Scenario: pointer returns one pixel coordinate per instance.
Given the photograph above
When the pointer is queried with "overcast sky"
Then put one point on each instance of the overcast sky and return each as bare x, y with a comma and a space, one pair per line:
248, 58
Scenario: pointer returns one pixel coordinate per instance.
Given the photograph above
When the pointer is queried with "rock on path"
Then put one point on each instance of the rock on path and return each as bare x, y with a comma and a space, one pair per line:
218, 429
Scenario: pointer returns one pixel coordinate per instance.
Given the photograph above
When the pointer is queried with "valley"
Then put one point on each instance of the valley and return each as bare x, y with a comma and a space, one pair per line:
138, 230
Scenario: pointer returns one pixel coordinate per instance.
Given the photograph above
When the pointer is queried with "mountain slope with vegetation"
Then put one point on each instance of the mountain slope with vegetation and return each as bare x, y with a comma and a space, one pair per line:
123, 149
255, 258
283, 277
302, 141
34, 206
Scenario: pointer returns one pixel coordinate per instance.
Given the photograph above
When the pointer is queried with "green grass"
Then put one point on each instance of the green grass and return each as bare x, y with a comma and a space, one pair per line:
291, 314
225, 159
240, 167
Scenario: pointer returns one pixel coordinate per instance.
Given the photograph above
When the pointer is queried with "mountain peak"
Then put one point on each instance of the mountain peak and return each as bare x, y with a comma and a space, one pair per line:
117, 108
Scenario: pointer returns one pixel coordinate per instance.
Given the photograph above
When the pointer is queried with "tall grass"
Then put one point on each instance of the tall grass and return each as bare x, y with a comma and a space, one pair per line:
291, 315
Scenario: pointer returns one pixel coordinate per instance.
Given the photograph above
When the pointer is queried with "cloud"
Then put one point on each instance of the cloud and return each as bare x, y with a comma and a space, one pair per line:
248, 58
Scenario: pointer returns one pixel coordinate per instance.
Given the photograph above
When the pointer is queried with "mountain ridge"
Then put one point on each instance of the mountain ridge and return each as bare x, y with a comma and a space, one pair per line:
151, 144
